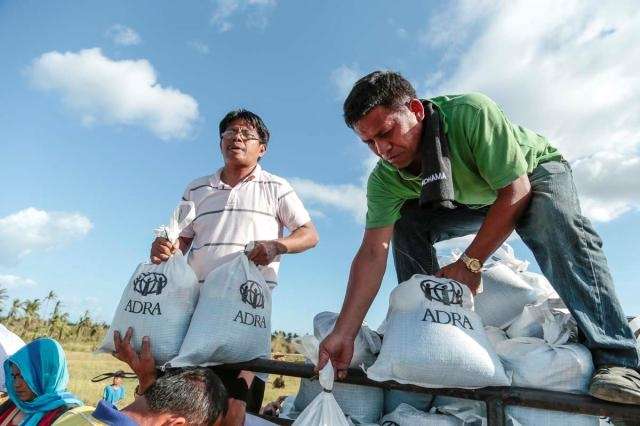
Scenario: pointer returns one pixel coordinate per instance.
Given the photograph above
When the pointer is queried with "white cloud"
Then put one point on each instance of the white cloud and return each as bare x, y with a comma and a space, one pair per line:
31, 230
572, 76
255, 12
124, 36
343, 79
608, 184
348, 198
14, 282
199, 47
124, 92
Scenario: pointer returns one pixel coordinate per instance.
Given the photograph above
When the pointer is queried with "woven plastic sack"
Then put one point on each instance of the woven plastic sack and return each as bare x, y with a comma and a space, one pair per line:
468, 411
434, 339
535, 363
366, 345
362, 404
159, 299
406, 415
504, 296
323, 410
232, 321
495, 335
549, 320
524, 416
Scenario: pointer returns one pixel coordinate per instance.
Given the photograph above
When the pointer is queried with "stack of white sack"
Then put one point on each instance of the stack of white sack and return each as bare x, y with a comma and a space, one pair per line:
159, 299
232, 321
362, 404
549, 320
406, 415
534, 363
507, 287
323, 410
434, 339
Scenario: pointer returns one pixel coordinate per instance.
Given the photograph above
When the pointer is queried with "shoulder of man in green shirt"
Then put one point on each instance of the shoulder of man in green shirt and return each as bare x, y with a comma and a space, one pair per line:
487, 152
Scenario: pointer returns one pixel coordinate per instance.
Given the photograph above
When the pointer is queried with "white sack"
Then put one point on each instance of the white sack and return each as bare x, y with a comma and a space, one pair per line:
9, 344
365, 346
524, 416
503, 297
495, 335
506, 256
537, 364
469, 411
159, 299
362, 404
232, 321
323, 410
434, 339
531, 322
406, 415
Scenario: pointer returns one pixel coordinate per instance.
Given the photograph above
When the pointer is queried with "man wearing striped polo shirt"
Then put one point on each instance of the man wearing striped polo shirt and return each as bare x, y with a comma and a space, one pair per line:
239, 204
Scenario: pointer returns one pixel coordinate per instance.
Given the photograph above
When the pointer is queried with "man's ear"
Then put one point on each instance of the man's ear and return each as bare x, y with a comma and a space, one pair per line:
176, 421
416, 107
263, 150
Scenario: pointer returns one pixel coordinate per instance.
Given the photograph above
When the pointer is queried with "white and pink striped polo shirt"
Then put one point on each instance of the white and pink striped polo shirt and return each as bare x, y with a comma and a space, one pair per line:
227, 218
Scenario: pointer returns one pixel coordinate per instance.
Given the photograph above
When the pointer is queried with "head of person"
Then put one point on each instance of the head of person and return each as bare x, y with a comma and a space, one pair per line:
37, 377
194, 396
118, 378
243, 138
383, 109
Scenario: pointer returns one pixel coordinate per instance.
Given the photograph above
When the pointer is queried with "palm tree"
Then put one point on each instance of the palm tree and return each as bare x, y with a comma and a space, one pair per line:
83, 322
14, 312
50, 296
31, 308
54, 316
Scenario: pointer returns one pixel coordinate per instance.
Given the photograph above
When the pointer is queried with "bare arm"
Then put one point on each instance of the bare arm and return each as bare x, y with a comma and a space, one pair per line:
500, 221
303, 238
366, 274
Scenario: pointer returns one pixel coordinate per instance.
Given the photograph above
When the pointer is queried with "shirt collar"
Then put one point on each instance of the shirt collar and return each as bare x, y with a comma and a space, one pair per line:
216, 181
110, 415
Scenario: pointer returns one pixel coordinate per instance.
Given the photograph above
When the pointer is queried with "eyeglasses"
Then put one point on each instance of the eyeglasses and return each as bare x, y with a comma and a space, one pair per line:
244, 134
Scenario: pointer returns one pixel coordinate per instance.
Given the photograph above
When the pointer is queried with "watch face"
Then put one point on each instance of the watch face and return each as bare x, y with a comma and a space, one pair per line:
474, 265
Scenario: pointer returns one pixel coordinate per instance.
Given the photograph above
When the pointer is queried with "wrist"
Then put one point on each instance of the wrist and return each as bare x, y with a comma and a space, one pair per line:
472, 264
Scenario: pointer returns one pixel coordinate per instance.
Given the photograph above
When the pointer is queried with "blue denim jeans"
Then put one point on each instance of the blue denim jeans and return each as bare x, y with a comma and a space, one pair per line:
564, 243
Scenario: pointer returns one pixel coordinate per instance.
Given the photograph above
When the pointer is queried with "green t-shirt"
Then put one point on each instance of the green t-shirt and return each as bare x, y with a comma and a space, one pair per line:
487, 153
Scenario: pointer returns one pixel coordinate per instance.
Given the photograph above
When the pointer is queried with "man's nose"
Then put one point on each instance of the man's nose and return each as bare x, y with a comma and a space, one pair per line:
382, 147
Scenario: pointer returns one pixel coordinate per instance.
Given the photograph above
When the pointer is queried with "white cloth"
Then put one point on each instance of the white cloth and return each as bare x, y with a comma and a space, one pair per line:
406, 415
228, 218
434, 339
9, 344
232, 321
365, 346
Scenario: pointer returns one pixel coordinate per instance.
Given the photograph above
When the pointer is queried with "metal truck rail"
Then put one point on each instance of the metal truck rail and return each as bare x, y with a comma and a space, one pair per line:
496, 398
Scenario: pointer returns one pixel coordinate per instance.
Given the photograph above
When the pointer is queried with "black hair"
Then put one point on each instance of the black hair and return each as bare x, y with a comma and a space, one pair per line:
253, 119
379, 88
195, 393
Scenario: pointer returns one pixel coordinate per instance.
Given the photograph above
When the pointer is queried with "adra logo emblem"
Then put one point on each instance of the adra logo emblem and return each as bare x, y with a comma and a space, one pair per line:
150, 283
446, 292
251, 294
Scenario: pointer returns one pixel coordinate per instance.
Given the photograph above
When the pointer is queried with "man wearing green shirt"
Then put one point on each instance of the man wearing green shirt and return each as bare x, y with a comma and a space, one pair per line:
502, 178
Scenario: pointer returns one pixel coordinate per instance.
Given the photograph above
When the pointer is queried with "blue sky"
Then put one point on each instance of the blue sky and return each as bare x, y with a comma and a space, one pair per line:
107, 111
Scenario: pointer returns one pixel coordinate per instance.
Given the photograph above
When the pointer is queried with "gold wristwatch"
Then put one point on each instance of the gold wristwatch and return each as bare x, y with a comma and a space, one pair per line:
474, 265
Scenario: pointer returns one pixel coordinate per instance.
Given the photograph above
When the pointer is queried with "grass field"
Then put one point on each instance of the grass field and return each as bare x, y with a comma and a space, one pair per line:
83, 365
